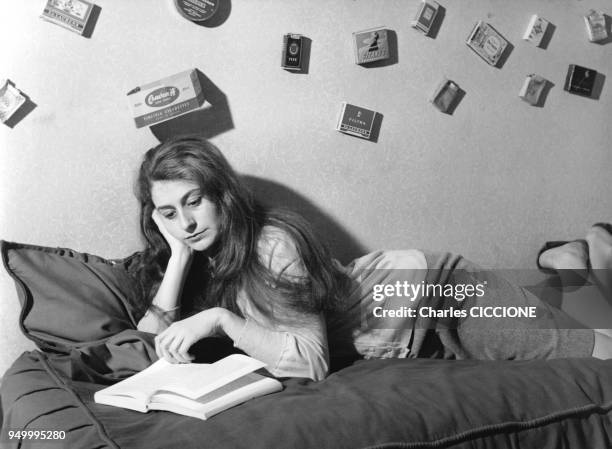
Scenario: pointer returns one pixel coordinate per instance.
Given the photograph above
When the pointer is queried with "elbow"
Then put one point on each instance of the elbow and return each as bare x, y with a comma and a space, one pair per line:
313, 369
315, 361
307, 360
316, 366
319, 371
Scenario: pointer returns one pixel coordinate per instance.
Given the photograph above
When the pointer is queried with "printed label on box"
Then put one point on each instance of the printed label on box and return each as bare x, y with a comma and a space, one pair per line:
292, 52
70, 14
356, 121
487, 42
596, 26
197, 10
580, 80
532, 89
425, 16
445, 95
167, 98
536, 30
371, 45
10, 100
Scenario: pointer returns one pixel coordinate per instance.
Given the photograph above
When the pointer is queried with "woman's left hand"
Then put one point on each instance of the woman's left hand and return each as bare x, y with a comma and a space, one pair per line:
173, 343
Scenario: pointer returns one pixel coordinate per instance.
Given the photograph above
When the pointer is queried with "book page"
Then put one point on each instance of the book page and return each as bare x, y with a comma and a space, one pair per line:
240, 390
141, 385
191, 380
194, 380
168, 397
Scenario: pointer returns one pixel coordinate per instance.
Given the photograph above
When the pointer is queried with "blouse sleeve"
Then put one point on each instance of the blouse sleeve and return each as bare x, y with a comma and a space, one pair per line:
298, 350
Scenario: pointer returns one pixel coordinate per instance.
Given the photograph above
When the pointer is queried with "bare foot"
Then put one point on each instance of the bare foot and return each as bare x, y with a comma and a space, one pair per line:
600, 248
599, 240
571, 256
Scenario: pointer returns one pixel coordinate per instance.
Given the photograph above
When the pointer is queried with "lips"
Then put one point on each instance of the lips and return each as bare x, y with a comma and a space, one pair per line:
196, 236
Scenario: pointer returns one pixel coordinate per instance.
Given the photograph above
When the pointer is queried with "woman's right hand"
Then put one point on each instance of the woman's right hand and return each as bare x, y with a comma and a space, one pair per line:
177, 247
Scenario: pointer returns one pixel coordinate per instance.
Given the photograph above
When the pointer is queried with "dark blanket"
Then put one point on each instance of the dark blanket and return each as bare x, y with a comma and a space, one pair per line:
388, 403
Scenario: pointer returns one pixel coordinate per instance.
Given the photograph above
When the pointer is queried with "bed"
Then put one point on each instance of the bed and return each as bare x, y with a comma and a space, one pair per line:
76, 308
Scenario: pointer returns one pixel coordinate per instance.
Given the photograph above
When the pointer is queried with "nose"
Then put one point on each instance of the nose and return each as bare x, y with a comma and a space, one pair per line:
186, 221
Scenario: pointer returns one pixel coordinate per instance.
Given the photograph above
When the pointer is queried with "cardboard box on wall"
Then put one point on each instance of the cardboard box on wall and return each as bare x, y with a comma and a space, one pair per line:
73, 15
167, 98
371, 45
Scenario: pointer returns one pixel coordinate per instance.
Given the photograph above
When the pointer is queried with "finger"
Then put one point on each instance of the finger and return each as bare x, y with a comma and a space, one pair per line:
174, 350
157, 348
164, 343
161, 350
183, 350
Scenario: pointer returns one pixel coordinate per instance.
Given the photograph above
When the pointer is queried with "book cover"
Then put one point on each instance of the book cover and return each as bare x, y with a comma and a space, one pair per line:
200, 390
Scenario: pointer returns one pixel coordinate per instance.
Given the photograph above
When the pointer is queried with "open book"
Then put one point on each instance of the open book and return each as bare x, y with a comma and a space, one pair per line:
200, 390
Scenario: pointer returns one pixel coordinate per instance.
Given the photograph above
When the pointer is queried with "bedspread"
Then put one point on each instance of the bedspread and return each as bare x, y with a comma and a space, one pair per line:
391, 403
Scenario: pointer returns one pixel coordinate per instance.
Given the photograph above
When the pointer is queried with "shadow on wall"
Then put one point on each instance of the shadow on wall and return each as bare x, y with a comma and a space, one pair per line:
211, 120
341, 243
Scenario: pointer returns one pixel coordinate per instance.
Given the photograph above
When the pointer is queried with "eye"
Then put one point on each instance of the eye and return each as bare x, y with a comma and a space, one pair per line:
193, 202
169, 215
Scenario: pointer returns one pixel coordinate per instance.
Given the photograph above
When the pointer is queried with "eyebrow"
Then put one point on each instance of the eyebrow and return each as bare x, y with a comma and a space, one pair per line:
183, 199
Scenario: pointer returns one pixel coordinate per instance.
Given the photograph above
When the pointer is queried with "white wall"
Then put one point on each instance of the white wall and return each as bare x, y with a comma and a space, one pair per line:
492, 181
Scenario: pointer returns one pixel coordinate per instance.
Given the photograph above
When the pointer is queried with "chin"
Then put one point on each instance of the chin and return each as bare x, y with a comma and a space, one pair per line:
202, 245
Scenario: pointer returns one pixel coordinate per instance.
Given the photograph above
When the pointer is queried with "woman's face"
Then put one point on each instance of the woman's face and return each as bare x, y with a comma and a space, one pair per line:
187, 215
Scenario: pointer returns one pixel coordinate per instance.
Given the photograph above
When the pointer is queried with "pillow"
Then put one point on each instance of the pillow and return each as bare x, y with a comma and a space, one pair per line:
70, 299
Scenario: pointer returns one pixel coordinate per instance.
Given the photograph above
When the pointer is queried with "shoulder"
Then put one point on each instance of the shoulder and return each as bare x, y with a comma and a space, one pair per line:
278, 252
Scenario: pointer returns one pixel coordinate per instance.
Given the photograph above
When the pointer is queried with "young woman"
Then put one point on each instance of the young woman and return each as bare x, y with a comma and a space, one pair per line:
217, 263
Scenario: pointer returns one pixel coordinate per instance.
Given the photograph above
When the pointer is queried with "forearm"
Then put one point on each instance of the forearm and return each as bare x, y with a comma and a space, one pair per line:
169, 291
165, 305
230, 324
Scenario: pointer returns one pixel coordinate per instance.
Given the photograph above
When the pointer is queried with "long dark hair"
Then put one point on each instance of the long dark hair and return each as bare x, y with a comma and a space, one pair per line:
235, 264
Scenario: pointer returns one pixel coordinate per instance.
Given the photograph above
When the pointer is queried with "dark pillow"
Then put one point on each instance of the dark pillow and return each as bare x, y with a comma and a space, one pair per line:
70, 299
